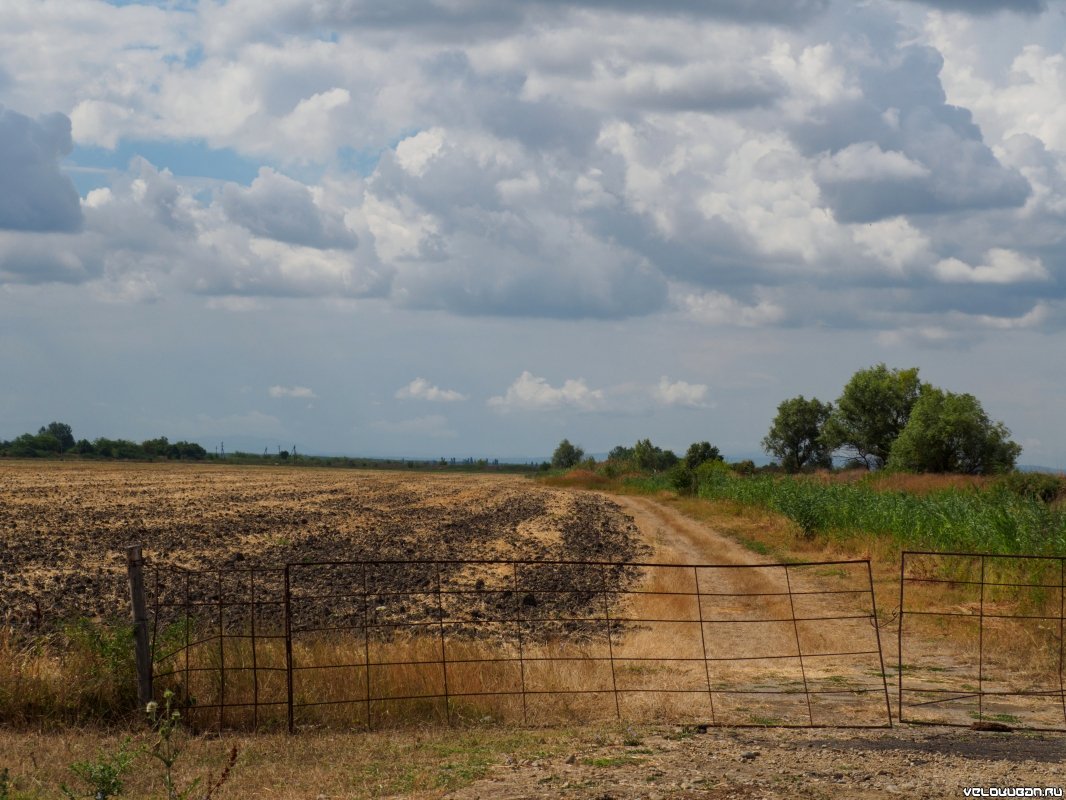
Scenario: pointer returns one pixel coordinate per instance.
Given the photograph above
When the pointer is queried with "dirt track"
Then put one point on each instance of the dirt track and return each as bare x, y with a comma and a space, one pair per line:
745, 763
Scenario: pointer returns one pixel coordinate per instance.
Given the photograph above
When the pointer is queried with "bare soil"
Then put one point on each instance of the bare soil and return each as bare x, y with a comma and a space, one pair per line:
778, 763
64, 527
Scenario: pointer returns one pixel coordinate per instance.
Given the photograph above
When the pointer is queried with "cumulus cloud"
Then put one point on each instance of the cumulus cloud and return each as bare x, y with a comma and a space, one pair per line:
1004, 266
35, 195
301, 392
421, 389
531, 393
900, 148
619, 158
283, 209
680, 393
718, 308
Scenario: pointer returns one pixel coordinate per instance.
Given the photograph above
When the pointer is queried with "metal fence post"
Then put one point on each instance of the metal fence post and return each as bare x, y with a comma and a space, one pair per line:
288, 649
135, 568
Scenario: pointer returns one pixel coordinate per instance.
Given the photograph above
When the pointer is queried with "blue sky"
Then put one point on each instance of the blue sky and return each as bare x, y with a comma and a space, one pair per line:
473, 228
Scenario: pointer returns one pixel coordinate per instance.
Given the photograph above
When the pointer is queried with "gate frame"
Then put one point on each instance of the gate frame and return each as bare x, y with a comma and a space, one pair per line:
286, 602
980, 694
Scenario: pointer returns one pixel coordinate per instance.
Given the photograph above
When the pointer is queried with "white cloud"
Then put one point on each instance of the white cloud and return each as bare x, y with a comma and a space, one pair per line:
415, 152
530, 393
680, 393
35, 194
717, 308
867, 161
893, 242
421, 389
291, 391
1004, 266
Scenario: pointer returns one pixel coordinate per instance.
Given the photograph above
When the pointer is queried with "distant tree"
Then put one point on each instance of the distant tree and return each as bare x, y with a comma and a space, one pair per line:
62, 432
566, 455
699, 452
652, 458
283, 455
186, 450
872, 411
118, 448
156, 447
795, 436
620, 453
83, 447
745, 467
29, 446
950, 432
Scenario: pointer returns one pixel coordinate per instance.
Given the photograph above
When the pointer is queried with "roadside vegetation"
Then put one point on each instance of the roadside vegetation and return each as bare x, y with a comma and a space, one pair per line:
919, 468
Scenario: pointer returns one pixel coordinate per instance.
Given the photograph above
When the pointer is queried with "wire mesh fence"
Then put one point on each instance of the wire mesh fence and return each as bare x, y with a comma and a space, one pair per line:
1004, 617
379, 643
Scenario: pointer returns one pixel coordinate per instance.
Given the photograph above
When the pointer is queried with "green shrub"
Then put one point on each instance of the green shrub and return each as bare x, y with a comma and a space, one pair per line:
1033, 485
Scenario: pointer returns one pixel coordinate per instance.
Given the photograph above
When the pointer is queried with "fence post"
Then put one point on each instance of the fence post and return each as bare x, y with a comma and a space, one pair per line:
135, 568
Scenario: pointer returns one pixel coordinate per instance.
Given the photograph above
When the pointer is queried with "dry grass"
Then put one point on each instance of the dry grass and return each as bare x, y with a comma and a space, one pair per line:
83, 675
424, 761
902, 481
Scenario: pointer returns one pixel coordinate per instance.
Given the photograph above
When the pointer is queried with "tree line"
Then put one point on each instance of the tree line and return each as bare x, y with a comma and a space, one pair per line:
57, 438
884, 418
890, 418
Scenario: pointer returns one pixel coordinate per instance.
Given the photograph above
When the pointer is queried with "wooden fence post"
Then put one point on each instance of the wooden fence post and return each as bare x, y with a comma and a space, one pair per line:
135, 568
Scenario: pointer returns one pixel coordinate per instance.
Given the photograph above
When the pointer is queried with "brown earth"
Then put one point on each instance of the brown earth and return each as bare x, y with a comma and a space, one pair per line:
747, 764
64, 527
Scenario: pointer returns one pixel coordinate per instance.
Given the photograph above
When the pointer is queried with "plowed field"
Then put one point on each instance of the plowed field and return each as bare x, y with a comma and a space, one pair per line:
64, 526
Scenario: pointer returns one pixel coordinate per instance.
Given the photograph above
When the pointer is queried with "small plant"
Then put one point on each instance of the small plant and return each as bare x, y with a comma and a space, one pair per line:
168, 747
103, 776
5, 784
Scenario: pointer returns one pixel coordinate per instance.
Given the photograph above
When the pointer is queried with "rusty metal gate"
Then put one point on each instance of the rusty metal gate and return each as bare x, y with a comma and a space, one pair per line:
1006, 615
380, 643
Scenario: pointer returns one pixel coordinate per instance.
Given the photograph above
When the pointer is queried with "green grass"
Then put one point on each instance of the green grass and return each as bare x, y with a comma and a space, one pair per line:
992, 520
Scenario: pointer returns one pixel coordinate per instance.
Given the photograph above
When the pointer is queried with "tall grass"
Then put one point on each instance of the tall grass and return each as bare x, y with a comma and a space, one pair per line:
987, 519
85, 673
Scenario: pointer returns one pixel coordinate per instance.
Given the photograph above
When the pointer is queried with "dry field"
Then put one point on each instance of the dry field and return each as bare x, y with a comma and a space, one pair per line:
63, 527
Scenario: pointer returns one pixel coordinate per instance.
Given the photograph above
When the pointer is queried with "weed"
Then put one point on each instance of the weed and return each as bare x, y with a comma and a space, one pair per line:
995, 717
613, 761
104, 775
168, 746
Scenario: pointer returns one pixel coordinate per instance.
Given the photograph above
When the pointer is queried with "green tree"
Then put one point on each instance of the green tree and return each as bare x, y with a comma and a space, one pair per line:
63, 433
872, 410
156, 447
29, 446
620, 453
566, 455
652, 458
699, 452
795, 437
950, 432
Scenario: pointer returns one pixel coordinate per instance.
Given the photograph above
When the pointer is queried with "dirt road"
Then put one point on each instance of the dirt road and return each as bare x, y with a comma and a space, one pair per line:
723, 762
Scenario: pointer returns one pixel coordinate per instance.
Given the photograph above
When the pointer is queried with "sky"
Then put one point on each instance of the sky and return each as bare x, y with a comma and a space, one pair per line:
433, 228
